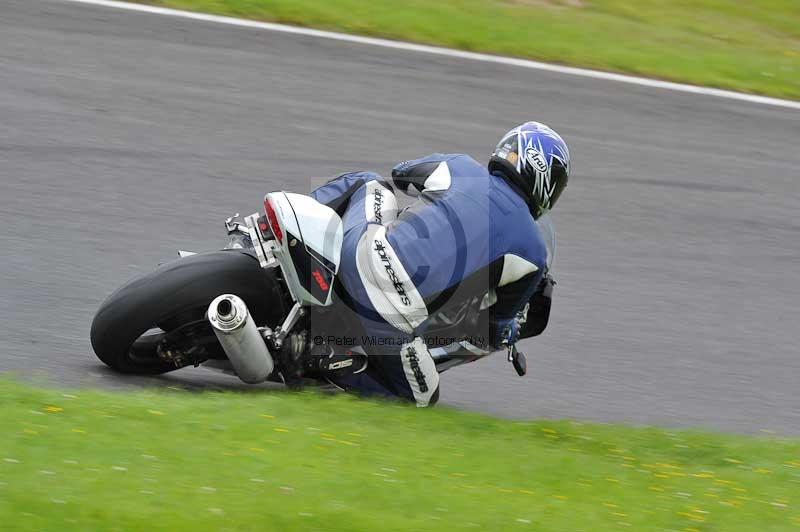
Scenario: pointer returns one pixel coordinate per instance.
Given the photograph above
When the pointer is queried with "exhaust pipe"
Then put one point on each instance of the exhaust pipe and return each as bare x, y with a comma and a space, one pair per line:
240, 338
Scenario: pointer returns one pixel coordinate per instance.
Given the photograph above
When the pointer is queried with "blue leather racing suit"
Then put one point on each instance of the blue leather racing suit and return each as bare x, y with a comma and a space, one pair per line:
469, 236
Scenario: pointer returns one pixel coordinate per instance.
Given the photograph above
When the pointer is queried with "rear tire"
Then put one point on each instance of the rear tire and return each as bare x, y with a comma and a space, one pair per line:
175, 294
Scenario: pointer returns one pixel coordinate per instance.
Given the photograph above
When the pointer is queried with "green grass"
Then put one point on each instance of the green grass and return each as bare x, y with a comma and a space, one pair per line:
90, 460
751, 46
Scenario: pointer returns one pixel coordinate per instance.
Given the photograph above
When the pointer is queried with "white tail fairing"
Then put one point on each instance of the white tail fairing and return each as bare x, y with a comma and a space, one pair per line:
308, 247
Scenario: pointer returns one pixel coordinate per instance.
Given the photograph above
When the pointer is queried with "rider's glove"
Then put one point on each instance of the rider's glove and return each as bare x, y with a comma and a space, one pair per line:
505, 332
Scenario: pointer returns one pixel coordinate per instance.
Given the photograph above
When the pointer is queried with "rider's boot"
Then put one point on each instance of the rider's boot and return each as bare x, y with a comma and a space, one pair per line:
298, 358
323, 360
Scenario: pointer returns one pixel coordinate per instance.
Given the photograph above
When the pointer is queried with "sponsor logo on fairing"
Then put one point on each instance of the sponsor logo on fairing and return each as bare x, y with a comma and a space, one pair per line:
320, 280
387, 264
413, 362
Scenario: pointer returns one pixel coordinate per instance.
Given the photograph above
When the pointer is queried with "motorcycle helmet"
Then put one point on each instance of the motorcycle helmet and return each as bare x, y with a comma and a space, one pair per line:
534, 159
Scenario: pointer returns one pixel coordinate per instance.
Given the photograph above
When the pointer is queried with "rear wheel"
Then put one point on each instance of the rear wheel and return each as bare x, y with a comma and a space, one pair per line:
134, 320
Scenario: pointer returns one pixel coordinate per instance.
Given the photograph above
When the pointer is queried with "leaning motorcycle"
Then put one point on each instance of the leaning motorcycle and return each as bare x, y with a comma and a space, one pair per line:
232, 310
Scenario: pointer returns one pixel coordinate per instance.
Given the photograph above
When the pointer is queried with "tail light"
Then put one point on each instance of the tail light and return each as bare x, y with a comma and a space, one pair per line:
273, 220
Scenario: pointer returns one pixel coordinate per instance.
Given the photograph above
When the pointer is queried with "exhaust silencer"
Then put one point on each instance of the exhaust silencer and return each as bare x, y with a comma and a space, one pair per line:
240, 338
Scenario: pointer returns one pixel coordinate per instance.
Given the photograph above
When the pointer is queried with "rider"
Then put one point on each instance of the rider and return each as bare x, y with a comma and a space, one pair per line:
475, 236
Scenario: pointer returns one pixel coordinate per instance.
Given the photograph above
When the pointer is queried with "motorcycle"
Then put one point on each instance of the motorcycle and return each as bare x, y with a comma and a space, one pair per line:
232, 310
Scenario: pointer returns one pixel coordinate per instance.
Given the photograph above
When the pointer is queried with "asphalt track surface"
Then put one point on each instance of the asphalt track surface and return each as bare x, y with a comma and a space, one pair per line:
127, 136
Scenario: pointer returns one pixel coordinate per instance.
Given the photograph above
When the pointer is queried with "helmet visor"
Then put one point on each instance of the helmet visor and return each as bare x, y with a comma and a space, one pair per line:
548, 189
508, 149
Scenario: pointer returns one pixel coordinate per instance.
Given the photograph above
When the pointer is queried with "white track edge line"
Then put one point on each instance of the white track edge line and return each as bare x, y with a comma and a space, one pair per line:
448, 52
